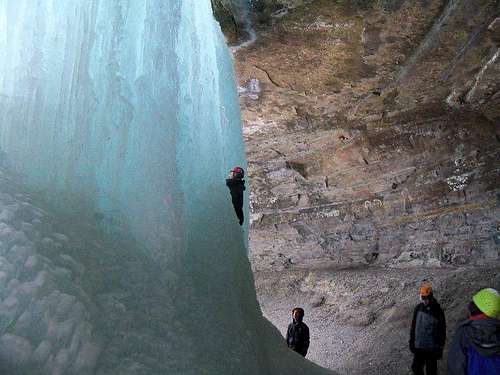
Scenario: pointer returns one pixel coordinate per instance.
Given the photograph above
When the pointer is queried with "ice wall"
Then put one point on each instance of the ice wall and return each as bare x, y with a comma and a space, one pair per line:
119, 249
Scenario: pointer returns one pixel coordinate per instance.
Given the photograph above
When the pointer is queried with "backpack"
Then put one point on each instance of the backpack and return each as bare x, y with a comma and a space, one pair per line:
479, 365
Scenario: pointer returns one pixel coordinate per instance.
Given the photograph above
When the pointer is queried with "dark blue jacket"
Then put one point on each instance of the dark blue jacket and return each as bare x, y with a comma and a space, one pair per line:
475, 349
236, 187
428, 328
297, 337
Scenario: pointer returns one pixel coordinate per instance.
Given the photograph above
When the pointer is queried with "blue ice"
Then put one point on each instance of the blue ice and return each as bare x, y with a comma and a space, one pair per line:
119, 249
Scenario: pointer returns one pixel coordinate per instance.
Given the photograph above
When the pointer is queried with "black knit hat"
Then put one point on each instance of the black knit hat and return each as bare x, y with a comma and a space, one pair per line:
300, 310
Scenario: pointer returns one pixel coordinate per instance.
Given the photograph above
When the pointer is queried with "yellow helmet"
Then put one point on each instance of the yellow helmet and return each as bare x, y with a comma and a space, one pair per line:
488, 301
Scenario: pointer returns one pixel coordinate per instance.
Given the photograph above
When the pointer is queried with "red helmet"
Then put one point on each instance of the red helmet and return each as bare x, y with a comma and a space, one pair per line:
238, 171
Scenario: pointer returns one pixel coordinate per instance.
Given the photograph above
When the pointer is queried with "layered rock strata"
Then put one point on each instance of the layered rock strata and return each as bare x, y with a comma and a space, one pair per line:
373, 134
374, 139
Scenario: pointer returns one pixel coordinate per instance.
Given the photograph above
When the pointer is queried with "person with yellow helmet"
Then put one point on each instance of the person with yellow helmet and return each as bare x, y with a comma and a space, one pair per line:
428, 333
475, 349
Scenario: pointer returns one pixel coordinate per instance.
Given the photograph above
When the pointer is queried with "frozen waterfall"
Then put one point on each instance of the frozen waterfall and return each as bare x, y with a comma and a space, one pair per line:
119, 249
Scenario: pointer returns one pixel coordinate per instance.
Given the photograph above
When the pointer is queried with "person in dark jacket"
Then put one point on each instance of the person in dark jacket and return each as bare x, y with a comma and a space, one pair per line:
475, 349
428, 333
297, 335
236, 185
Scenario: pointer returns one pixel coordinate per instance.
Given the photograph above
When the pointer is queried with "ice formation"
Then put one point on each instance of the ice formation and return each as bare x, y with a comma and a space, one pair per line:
119, 249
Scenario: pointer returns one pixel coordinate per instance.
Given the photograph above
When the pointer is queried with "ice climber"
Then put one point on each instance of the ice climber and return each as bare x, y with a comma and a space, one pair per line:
297, 335
428, 333
236, 185
475, 349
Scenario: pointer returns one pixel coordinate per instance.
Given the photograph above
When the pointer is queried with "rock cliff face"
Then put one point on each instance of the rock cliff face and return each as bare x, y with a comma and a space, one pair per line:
373, 140
375, 137
233, 17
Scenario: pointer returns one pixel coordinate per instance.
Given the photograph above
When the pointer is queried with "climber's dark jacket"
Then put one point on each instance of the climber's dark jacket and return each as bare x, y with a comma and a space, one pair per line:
297, 337
237, 187
428, 328
475, 349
